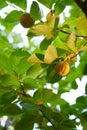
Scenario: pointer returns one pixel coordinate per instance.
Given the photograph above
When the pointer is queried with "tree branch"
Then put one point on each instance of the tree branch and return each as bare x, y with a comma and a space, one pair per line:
70, 33
48, 119
82, 5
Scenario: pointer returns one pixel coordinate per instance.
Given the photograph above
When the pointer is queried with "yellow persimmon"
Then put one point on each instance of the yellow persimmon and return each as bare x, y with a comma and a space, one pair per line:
62, 68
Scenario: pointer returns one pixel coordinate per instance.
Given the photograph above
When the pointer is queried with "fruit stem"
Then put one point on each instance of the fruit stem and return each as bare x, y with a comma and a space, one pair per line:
71, 56
59, 29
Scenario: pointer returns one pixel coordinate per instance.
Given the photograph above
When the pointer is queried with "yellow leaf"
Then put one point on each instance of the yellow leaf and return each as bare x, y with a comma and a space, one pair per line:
33, 59
71, 42
51, 54
82, 25
52, 22
42, 29
60, 44
45, 28
49, 15
84, 48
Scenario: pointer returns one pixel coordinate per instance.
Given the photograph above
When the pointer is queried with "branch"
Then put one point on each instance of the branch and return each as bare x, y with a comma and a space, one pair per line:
48, 120
82, 5
22, 91
71, 56
70, 33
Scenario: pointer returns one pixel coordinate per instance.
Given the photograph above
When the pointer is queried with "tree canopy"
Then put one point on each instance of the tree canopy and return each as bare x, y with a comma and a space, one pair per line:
35, 72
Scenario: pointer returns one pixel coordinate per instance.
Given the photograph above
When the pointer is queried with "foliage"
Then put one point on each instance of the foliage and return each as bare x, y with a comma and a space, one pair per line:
26, 72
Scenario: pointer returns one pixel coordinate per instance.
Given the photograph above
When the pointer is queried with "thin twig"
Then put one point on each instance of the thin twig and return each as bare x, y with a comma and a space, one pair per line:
70, 57
48, 119
70, 33
22, 92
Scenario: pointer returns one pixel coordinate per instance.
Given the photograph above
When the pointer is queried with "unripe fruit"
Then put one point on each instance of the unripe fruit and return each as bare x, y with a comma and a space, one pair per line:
26, 20
62, 68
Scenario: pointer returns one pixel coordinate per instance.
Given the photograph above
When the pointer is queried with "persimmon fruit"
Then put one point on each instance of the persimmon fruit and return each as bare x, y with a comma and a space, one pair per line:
62, 68
26, 20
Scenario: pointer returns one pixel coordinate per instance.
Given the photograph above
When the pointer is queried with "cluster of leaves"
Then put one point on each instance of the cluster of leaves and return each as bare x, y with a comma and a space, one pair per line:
23, 71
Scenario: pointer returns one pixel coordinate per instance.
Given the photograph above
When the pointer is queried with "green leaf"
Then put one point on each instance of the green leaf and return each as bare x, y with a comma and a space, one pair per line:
81, 99
66, 2
76, 72
8, 97
2, 4
48, 128
85, 68
40, 56
43, 95
34, 70
23, 66
29, 108
71, 22
12, 110
81, 103
52, 76
45, 43
86, 89
4, 64
13, 17
69, 124
73, 10
74, 85
30, 83
60, 44
26, 122
63, 36
19, 62
22, 3
9, 80
4, 44
84, 115
47, 3
47, 111
8, 28
84, 124
20, 52
35, 8
59, 7
64, 86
